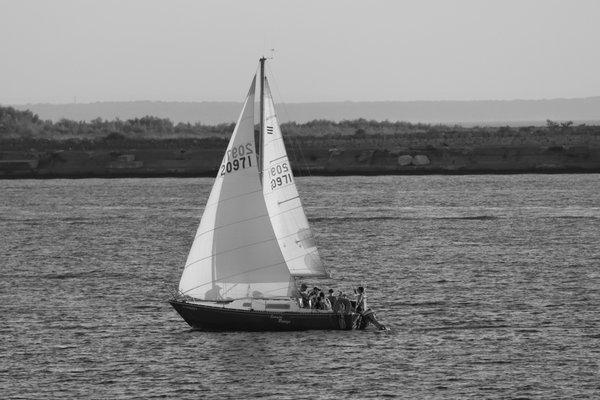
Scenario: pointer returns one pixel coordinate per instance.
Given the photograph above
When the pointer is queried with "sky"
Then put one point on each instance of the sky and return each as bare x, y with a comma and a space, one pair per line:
62, 51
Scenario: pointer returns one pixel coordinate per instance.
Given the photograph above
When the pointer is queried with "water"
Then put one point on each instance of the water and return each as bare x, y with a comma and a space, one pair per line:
490, 284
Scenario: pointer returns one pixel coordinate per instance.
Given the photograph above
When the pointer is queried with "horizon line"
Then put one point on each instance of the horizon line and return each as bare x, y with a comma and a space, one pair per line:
301, 102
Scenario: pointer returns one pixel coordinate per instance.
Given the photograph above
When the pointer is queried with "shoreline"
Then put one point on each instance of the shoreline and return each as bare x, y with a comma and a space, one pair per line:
349, 172
421, 150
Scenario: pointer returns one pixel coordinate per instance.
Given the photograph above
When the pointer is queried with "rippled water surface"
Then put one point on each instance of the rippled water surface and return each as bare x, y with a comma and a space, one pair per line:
491, 285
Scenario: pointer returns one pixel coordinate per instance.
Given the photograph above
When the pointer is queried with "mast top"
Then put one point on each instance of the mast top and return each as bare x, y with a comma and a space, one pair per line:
264, 58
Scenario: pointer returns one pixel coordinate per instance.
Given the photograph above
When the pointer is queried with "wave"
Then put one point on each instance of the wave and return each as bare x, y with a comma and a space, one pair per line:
475, 217
66, 275
80, 220
386, 217
574, 217
419, 303
461, 327
84, 274
374, 218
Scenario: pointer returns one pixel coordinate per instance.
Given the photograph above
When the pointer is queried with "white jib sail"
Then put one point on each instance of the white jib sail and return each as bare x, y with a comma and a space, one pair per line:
283, 202
235, 252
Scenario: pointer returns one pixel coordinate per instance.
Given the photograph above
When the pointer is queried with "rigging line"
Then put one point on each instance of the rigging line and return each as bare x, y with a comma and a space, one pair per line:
287, 116
262, 298
240, 247
229, 290
276, 289
296, 142
244, 273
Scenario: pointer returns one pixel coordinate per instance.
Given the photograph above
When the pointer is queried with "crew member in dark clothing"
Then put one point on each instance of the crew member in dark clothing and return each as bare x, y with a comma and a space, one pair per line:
342, 304
303, 296
367, 315
332, 299
313, 297
323, 302
318, 301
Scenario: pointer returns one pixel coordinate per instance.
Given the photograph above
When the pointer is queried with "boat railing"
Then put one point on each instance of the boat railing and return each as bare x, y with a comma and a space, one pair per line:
174, 294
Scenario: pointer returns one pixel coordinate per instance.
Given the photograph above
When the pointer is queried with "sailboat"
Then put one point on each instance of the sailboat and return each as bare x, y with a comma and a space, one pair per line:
254, 240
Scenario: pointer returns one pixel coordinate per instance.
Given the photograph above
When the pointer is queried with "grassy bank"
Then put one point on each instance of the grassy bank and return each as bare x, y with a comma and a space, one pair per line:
30, 148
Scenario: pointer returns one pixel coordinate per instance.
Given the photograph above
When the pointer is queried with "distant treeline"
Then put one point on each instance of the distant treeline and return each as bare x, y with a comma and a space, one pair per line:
24, 125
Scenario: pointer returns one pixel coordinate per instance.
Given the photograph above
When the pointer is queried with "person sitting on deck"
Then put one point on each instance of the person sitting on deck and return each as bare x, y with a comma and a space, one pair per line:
323, 302
367, 315
303, 295
313, 297
318, 302
331, 298
213, 293
342, 305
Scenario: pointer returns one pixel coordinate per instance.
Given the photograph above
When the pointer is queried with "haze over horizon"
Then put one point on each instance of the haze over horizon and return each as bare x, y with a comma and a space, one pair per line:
93, 51
496, 112
75, 101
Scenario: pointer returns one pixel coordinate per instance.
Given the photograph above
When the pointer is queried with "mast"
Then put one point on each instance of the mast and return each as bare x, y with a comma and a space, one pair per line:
262, 117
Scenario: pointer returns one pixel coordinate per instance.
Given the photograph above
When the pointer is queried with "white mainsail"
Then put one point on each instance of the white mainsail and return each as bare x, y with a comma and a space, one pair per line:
235, 252
283, 202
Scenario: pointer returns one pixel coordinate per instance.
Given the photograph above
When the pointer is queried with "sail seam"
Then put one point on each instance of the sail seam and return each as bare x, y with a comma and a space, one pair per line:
276, 238
231, 198
243, 273
290, 199
273, 140
278, 158
228, 251
233, 223
246, 220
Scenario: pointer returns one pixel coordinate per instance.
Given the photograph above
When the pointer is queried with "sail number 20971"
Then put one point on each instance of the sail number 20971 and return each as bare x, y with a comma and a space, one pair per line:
280, 175
238, 157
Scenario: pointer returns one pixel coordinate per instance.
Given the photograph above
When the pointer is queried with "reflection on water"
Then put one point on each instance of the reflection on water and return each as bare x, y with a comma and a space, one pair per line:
489, 283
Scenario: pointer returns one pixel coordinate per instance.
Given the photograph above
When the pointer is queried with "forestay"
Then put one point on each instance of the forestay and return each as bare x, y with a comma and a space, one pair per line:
283, 203
235, 252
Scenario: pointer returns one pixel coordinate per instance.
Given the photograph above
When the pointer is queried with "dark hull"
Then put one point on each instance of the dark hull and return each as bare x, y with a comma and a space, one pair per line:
222, 319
